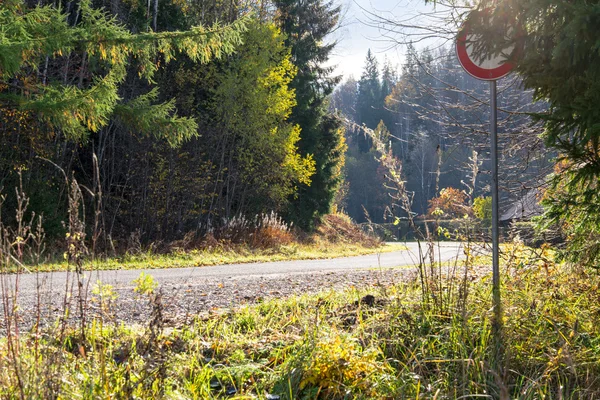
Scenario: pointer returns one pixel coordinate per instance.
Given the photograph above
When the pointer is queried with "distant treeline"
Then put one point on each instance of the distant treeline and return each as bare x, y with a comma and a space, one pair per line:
435, 116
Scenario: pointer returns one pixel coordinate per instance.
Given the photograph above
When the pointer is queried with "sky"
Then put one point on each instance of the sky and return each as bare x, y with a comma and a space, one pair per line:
357, 33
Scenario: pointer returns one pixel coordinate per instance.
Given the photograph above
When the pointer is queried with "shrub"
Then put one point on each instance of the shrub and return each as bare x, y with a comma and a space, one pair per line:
571, 208
339, 227
340, 365
451, 203
265, 230
271, 231
482, 208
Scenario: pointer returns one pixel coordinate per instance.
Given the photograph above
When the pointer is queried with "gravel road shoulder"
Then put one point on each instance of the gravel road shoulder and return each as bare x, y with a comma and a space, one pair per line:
183, 302
189, 292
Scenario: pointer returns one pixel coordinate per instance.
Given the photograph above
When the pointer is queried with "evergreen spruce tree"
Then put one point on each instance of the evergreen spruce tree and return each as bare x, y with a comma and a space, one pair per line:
561, 63
388, 79
84, 97
307, 24
369, 103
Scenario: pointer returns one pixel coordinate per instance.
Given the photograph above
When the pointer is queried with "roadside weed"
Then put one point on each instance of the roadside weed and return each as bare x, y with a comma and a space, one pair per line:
377, 343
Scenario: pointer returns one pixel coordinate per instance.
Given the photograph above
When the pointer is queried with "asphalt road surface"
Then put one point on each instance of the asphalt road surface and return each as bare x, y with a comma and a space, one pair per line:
192, 290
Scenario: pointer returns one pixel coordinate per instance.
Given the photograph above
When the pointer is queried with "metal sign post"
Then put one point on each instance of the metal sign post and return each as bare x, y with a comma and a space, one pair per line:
495, 200
490, 68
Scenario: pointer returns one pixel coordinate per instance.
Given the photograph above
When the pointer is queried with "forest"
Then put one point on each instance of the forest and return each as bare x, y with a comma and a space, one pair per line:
175, 117
436, 118
180, 128
174, 135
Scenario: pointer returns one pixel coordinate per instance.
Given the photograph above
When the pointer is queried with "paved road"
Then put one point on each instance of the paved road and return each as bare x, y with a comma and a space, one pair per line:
28, 285
200, 288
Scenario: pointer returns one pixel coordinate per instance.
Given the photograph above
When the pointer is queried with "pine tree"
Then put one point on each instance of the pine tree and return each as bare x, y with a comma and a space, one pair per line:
369, 103
83, 99
307, 24
388, 79
561, 63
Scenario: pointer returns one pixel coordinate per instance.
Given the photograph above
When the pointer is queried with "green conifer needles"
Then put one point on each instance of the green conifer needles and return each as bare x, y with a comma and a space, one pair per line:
71, 74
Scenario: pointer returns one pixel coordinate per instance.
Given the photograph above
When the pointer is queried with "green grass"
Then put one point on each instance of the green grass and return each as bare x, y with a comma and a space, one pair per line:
340, 345
229, 255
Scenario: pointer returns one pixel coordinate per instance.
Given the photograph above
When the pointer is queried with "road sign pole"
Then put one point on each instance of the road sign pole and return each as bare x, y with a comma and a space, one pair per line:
490, 68
495, 200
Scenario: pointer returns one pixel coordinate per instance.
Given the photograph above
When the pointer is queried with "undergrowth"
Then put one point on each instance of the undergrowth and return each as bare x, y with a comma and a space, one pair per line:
239, 239
381, 343
266, 239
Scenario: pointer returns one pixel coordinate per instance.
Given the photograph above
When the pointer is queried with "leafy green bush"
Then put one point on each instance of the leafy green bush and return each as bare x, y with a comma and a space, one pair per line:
482, 208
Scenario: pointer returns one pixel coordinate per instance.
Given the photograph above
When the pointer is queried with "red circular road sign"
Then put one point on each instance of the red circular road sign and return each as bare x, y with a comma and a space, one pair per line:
488, 68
